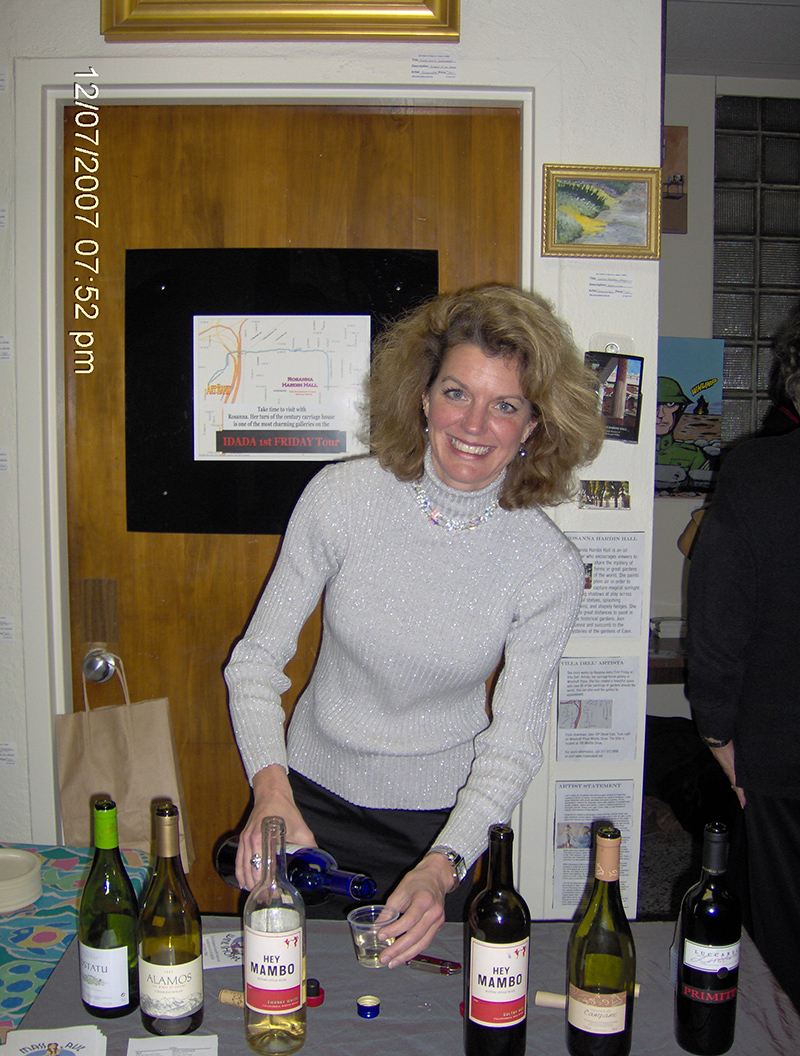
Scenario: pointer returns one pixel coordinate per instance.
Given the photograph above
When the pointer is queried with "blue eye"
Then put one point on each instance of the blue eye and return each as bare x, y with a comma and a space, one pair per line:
454, 394
507, 408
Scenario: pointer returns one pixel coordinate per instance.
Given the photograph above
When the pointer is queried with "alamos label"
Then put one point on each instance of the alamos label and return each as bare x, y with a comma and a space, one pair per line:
712, 959
498, 982
104, 976
273, 970
596, 1013
170, 991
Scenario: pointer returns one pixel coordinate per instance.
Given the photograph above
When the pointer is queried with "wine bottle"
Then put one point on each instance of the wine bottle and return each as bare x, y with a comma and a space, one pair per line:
274, 927
706, 947
170, 939
311, 870
107, 925
601, 963
497, 946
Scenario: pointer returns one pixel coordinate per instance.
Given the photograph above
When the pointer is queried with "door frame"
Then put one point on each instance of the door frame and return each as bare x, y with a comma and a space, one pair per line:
43, 87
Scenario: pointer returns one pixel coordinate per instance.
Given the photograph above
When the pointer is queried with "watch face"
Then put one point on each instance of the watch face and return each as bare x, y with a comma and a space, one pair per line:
457, 862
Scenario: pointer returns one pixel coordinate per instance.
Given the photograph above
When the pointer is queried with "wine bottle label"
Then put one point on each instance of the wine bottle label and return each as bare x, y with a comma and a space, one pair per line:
170, 991
596, 1013
498, 983
104, 976
273, 970
711, 959
708, 997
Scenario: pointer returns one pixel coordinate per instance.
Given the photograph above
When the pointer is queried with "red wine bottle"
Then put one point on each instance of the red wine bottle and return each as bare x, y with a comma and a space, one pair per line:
497, 947
706, 948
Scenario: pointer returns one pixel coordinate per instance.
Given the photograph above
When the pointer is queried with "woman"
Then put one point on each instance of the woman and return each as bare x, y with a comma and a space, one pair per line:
437, 564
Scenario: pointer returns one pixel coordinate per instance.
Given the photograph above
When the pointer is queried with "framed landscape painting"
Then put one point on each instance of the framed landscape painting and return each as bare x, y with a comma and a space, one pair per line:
601, 211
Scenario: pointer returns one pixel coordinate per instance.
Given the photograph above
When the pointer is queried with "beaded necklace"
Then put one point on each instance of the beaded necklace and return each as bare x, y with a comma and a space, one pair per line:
450, 525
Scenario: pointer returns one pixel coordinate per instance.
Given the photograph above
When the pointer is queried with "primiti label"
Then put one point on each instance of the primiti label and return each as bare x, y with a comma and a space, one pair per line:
273, 970
498, 982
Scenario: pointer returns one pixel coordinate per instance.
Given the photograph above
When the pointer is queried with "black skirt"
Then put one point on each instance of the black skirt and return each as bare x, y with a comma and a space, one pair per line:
385, 844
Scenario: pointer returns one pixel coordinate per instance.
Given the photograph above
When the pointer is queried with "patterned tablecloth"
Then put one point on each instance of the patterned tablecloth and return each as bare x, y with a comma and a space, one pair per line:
33, 939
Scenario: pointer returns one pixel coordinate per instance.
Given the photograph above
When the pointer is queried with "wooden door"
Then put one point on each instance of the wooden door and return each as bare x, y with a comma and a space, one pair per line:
172, 605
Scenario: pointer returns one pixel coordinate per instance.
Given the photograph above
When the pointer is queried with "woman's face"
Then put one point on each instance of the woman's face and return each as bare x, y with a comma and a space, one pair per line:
477, 417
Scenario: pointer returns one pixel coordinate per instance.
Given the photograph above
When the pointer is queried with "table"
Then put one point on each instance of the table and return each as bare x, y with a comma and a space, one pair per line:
33, 940
420, 1012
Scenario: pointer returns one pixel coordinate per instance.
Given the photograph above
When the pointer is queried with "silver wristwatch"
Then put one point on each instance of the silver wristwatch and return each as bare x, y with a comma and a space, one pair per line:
457, 862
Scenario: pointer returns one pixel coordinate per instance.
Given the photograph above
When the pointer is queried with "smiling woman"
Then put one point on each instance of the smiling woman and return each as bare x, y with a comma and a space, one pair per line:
436, 563
517, 337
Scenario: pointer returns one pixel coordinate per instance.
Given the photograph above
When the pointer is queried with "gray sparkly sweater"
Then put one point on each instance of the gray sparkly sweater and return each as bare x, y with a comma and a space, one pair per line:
415, 619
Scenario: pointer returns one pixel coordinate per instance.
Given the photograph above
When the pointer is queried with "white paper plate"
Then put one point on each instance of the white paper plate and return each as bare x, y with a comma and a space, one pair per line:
20, 879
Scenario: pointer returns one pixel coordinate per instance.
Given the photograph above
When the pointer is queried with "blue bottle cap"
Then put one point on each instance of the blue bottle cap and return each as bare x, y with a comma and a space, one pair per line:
368, 1006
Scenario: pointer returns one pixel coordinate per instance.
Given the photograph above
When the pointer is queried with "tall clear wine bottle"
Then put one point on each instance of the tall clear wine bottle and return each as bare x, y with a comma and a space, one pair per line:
497, 952
706, 948
601, 963
107, 925
274, 927
170, 939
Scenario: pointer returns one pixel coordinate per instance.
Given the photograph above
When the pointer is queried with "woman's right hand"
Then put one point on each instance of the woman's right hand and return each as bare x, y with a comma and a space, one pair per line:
272, 797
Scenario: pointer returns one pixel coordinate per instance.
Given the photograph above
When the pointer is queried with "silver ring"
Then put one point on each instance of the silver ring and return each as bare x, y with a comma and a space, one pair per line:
255, 861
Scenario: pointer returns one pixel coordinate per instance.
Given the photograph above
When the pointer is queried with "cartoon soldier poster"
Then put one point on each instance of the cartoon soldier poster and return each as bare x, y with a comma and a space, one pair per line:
688, 414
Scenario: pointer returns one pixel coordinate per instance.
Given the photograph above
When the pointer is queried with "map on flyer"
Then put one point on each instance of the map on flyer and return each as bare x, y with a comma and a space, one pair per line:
279, 387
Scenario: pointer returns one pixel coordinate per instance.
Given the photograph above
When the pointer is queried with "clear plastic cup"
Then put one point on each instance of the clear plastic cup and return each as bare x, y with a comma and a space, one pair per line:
365, 923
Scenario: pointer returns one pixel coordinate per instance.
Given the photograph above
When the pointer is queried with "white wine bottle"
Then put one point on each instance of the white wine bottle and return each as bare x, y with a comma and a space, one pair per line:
107, 925
170, 939
274, 926
497, 953
707, 942
601, 963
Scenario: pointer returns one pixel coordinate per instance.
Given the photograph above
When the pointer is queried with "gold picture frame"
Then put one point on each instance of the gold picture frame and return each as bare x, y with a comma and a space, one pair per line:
187, 20
601, 211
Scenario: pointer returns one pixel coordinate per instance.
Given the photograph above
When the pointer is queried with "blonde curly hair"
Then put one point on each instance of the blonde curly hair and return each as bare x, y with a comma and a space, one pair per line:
501, 321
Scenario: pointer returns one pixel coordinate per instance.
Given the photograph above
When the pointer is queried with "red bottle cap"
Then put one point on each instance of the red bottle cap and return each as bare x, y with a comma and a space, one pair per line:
315, 995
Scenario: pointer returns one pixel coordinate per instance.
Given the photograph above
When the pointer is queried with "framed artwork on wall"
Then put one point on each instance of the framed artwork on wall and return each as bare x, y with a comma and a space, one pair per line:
601, 211
139, 20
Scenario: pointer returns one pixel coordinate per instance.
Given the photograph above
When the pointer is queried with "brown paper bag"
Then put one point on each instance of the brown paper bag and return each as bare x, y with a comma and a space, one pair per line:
128, 753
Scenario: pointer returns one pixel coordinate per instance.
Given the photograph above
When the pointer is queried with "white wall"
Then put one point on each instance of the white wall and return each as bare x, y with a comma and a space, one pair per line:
597, 100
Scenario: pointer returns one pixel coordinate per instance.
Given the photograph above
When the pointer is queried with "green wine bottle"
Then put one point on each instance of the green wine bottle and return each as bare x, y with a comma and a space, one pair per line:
601, 964
170, 939
107, 925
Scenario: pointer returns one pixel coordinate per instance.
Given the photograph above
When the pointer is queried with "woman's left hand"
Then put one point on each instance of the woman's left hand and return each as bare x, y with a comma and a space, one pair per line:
419, 897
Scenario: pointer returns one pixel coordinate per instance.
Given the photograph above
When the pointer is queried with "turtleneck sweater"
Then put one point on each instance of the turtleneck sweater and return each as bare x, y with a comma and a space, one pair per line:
416, 618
